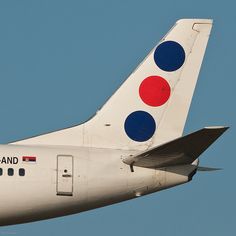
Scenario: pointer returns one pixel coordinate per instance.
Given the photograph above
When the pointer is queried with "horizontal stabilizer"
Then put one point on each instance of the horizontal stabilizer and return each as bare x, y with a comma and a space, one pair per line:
202, 168
181, 151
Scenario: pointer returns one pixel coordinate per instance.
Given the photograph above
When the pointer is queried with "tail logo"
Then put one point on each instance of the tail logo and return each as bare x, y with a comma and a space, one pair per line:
154, 91
169, 56
140, 126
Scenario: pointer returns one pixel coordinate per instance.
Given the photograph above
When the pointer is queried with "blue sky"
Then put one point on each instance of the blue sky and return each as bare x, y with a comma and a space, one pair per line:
61, 60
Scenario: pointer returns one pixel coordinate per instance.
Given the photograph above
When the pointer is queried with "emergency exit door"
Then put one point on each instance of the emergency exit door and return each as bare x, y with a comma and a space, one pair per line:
65, 175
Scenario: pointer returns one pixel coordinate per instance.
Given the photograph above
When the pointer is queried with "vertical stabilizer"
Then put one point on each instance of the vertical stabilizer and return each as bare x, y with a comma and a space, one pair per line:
151, 106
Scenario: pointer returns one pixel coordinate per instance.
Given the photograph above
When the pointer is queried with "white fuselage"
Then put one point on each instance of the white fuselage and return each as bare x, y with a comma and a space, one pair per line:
67, 180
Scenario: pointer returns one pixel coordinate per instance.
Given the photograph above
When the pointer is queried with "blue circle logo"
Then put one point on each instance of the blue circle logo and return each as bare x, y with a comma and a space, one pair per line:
169, 56
140, 126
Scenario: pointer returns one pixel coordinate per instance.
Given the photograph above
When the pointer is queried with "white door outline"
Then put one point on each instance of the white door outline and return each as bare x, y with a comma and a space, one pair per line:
65, 164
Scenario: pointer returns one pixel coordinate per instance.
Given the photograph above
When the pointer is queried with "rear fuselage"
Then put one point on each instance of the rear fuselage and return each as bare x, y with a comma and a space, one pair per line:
68, 180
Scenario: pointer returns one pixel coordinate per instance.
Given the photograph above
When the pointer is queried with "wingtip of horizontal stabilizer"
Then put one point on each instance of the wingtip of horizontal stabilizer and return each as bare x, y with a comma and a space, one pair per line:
207, 169
217, 127
201, 169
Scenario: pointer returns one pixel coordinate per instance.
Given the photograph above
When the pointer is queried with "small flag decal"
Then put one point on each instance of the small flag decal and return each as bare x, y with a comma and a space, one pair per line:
31, 159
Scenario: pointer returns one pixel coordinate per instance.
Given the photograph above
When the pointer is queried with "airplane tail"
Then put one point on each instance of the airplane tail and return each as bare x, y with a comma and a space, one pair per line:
151, 106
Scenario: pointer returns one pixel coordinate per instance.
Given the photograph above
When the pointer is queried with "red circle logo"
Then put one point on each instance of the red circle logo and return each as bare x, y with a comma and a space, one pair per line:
154, 91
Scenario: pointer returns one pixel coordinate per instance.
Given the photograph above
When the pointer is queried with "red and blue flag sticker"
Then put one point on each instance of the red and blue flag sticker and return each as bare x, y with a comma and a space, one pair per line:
29, 159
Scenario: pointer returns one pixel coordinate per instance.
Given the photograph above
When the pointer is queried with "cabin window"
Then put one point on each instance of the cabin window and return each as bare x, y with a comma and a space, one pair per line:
0, 171
21, 172
10, 172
